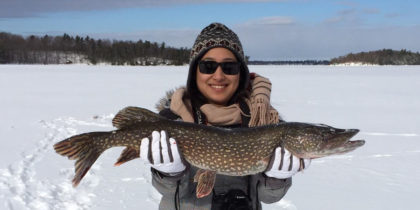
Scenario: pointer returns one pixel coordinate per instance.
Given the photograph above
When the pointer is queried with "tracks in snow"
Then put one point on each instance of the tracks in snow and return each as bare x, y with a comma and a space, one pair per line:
22, 188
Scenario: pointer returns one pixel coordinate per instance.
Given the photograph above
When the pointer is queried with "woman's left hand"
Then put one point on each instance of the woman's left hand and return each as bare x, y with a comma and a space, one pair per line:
284, 165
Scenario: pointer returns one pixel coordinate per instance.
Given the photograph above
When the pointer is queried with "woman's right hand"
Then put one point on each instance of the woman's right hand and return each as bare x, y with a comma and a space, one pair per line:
162, 154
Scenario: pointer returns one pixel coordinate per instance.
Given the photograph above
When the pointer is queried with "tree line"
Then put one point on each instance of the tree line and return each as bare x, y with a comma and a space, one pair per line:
291, 62
68, 49
381, 57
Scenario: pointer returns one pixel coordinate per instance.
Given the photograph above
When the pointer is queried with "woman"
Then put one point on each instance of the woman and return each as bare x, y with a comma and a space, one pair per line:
220, 92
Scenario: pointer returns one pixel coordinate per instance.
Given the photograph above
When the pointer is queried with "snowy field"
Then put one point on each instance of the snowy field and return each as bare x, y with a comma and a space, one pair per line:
41, 105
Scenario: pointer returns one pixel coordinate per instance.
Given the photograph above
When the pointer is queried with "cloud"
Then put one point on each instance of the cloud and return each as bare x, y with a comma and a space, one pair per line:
392, 15
273, 21
347, 12
30, 8
345, 17
352, 16
299, 41
371, 11
348, 3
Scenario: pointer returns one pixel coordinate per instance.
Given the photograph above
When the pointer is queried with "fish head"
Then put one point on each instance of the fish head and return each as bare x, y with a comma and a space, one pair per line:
307, 140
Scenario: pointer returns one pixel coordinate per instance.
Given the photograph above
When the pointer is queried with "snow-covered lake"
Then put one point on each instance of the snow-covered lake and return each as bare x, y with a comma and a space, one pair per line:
41, 105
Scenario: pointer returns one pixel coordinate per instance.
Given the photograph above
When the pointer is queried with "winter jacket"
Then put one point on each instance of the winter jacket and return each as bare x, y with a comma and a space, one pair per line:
178, 192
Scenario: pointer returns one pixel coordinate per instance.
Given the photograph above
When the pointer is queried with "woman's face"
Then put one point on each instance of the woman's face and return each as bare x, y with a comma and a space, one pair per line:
218, 87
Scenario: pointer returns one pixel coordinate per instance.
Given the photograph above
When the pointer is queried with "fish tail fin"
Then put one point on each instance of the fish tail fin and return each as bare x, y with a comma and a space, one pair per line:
82, 149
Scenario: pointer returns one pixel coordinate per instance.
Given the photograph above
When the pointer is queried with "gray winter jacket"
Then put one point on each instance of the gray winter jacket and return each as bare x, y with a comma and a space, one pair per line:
178, 192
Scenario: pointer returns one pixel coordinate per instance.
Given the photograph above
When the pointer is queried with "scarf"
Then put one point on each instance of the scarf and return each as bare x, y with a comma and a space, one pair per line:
261, 111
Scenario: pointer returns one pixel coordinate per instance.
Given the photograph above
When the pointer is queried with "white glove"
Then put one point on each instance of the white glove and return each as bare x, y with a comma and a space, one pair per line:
284, 165
164, 158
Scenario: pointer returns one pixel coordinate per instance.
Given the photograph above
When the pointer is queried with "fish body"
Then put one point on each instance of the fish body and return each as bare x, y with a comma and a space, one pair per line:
235, 152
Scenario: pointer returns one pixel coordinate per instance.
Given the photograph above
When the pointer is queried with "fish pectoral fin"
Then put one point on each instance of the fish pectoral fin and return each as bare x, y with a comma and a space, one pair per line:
205, 179
128, 154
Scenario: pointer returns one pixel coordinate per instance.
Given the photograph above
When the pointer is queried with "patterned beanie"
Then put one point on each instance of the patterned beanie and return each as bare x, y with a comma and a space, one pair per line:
212, 36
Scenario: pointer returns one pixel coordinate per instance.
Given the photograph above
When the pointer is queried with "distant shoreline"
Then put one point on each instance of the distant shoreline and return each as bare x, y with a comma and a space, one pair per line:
66, 49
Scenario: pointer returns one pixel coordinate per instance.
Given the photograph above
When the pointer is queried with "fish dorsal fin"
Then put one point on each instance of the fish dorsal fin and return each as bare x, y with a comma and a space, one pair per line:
132, 115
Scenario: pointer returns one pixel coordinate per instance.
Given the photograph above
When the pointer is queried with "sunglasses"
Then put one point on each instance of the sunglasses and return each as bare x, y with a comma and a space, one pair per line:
229, 68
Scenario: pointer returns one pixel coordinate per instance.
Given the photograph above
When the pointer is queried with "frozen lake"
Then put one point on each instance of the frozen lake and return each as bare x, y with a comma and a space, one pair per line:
41, 105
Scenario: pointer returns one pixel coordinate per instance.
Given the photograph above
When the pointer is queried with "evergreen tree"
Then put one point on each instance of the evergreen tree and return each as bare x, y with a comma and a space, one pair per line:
57, 49
381, 57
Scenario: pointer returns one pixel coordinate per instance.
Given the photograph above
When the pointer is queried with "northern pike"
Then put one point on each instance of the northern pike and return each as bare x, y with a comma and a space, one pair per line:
234, 152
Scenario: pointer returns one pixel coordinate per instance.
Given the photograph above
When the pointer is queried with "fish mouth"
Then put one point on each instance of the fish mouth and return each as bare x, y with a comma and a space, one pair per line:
349, 133
340, 137
343, 139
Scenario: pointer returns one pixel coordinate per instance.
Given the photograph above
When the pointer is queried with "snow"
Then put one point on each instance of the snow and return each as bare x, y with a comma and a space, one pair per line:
43, 104
354, 64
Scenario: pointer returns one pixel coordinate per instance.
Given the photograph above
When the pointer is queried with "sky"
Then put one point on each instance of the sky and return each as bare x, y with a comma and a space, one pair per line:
268, 30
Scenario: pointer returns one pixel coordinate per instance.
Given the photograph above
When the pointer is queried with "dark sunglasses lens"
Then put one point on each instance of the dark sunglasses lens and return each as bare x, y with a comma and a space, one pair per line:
207, 67
231, 68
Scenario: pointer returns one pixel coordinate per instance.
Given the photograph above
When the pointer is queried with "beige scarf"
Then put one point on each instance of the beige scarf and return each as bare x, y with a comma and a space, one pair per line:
262, 113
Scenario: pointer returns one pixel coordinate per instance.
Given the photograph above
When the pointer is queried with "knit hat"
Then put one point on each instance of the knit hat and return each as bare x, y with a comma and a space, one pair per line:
212, 36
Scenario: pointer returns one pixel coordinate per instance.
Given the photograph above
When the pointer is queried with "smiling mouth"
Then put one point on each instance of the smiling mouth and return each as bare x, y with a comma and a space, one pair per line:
218, 86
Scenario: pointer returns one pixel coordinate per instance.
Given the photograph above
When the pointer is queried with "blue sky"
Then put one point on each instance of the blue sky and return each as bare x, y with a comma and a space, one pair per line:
269, 30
